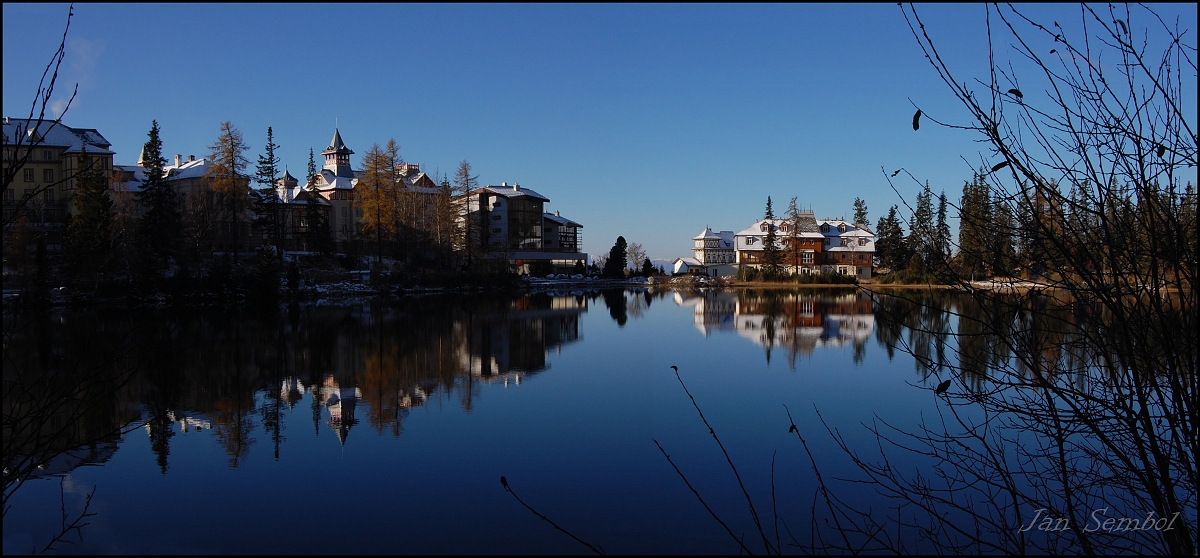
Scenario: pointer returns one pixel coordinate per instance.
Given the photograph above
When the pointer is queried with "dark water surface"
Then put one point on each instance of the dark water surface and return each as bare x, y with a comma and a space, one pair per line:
384, 428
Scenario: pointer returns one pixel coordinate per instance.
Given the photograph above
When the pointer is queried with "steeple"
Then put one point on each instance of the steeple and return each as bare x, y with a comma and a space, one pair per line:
337, 156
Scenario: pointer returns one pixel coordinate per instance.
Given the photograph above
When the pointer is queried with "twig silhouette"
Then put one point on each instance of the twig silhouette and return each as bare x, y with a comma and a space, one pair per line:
749, 502
75, 525
507, 488
701, 498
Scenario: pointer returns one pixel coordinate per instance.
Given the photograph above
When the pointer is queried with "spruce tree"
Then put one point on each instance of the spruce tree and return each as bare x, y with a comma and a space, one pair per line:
920, 227
860, 211
941, 233
88, 240
159, 229
614, 268
265, 174
310, 176
771, 253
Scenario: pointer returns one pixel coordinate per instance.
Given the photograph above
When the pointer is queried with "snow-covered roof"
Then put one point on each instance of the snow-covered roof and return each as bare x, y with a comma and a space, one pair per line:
55, 134
133, 177
515, 191
327, 180
851, 229
693, 262
188, 169
563, 221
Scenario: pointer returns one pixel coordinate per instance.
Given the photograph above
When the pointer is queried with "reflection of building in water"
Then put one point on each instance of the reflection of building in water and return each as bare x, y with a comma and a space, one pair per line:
504, 347
339, 400
186, 421
800, 323
712, 311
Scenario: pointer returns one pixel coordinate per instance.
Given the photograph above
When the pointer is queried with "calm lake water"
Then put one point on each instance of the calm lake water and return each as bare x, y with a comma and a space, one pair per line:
385, 427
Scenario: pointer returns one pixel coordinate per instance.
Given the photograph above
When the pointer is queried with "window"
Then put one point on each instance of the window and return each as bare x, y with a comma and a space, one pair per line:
28, 175
862, 242
845, 241
827, 242
8, 195
824, 227
49, 195
47, 155
47, 175
842, 227
806, 258
28, 193
495, 217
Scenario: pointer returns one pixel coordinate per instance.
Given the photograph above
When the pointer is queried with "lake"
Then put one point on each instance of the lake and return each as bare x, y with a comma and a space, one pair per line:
384, 427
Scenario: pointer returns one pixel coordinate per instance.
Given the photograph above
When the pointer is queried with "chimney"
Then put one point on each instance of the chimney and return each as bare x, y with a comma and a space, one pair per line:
191, 158
178, 160
504, 185
556, 214
516, 187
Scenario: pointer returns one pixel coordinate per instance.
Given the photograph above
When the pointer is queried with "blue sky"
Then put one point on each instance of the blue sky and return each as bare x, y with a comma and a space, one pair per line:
648, 121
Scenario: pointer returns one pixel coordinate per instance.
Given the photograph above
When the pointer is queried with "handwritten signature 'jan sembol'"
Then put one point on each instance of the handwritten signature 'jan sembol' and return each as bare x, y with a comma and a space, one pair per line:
1099, 521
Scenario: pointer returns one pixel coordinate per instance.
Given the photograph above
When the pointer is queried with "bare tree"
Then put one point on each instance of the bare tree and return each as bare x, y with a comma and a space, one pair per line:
31, 133
1074, 395
636, 255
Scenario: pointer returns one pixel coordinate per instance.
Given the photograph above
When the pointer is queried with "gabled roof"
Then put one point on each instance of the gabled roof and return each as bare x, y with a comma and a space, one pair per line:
55, 134
189, 169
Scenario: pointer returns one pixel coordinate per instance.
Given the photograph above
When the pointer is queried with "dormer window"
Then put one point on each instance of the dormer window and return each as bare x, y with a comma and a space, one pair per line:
842, 227
825, 227
763, 227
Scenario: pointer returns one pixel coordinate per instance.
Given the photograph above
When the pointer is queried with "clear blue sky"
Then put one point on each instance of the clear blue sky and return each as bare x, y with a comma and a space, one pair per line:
648, 121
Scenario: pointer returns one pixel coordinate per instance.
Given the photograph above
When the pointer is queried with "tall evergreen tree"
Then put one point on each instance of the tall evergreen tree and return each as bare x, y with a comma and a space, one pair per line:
229, 183
614, 267
317, 235
975, 227
265, 175
310, 175
921, 227
159, 230
860, 211
941, 233
772, 256
890, 245
88, 240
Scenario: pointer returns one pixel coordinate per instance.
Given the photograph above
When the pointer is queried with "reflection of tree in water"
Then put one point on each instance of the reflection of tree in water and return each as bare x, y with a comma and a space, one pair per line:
614, 299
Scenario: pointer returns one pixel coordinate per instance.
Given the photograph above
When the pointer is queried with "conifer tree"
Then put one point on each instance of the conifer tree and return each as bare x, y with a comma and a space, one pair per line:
265, 174
228, 181
860, 211
890, 245
920, 227
159, 229
88, 240
310, 176
771, 253
464, 182
941, 235
614, 267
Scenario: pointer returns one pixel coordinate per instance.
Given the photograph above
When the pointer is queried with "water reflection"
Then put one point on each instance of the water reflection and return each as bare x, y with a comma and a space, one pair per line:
230, 372
797, 322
